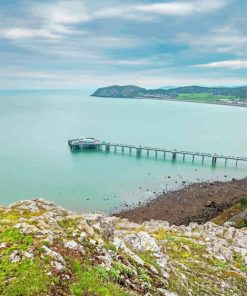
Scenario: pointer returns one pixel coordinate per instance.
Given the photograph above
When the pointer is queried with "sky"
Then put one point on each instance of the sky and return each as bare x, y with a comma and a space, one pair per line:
86, 44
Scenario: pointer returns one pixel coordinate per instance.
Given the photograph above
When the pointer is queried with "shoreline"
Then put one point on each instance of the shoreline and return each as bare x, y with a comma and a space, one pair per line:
184, 101
198, 202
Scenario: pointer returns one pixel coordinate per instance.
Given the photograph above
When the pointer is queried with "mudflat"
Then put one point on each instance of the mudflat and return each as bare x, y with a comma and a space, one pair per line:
197, 202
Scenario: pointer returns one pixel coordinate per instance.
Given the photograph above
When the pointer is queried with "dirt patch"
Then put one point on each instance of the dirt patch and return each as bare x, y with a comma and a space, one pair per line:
194, 203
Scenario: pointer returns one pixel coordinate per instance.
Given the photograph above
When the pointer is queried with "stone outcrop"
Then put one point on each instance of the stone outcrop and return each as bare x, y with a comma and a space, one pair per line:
60, 252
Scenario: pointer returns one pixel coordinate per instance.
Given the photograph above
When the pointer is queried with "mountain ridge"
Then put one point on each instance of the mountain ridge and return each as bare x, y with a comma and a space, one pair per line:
133, 91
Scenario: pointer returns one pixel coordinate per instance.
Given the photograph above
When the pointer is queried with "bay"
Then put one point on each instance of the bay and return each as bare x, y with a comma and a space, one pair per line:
35, 160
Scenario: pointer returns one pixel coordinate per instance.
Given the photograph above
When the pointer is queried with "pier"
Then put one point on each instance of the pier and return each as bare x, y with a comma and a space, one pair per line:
91, 143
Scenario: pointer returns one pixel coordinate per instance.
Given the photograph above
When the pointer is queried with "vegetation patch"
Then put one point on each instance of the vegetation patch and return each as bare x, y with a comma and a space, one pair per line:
93, 281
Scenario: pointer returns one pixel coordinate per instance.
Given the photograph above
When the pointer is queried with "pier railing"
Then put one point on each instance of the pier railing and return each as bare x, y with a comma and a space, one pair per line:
139, 150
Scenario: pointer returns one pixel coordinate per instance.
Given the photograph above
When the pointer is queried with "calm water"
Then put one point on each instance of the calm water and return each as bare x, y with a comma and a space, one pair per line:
35, 160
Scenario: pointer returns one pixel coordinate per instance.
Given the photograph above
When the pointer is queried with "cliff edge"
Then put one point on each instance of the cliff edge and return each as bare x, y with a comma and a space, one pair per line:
47, 250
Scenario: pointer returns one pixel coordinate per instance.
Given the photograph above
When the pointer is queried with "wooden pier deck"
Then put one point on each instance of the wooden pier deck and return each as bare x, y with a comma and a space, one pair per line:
139, 150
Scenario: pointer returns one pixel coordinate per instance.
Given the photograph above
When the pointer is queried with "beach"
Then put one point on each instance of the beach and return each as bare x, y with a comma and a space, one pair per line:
197, 202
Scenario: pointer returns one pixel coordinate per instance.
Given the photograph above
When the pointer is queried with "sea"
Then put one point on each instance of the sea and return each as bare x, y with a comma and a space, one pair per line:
36, 162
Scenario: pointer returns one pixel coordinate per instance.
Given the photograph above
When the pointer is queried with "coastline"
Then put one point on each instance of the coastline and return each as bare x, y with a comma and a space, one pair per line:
173, 100
199, 202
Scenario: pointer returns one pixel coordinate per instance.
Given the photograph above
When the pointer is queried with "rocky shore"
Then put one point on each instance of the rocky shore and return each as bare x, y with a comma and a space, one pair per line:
47, 250
194, 203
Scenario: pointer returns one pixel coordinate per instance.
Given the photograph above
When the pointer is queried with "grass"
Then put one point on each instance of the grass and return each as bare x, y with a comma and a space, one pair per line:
203, 97
26, 278
193, 270
228, 213
95, 281
148, 257
196, 272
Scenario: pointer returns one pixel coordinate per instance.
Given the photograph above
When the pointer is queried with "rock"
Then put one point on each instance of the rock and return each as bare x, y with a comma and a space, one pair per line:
106, 230
154, 225
210, 204
229, 224
93, 242
22, 220
15, 256
96, 226
119, 244
73, 245
54, 255
83, 226
49, 238
162, 262
58, 266
26, 228
240, 239
107, 259
142, 241
32, 207
28, 255
3, 245
82, 236
65, 277
160, 252
165, 292
219, 248
93, 218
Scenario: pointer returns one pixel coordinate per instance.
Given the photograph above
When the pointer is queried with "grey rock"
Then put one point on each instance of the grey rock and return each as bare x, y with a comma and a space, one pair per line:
142, 241
15, 256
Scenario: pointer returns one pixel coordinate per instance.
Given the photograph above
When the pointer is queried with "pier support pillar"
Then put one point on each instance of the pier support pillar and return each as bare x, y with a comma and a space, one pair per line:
203, 159
236, 163
138, 151
183, 156
148, 152
122, 149
174, 155
130, 149
107, 147
193, 158
115, 149
164, 154
214, 160
156, 153
225, 161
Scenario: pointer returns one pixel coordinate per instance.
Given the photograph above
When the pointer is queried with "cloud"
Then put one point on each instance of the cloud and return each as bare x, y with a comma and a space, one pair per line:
233, 64
36, 75
60, 18
66, 43
226, 39
182, 8
74, 11
172, 8
112, 42
62, 12
24, 33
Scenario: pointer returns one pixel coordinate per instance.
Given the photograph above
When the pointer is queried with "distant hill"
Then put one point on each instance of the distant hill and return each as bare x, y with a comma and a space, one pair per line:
195, 93
116, 91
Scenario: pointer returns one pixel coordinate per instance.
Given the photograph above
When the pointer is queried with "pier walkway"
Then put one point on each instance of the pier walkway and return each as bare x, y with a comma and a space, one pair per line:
139, 150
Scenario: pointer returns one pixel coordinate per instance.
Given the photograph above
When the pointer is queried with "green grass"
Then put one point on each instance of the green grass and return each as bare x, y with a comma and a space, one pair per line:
203, 97
232, 211
95, 281
149, 258
26, 278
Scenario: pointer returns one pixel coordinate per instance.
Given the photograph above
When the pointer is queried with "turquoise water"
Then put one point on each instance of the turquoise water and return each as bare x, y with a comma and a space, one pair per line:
35, 160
